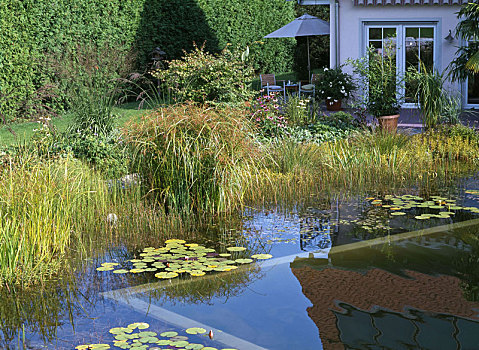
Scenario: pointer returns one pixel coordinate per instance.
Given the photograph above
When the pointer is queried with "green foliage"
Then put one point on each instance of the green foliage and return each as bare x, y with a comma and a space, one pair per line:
435, 103
297, 111
377, 73
33, 30
334, 84
195, 159
89, 80
467, 30
203, 77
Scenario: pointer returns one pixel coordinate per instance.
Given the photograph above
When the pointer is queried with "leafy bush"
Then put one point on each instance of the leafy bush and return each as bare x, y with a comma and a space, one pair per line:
30, 30
334, 84
377, 75
203, 77
194, 159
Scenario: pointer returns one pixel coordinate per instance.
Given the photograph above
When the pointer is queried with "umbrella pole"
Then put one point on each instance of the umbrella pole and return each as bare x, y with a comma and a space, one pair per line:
309, 62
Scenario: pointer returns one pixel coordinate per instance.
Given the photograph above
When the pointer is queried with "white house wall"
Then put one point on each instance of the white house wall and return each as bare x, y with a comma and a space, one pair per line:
352, 38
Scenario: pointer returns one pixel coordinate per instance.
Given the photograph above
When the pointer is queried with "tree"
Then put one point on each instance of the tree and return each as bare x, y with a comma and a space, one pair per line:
466, 62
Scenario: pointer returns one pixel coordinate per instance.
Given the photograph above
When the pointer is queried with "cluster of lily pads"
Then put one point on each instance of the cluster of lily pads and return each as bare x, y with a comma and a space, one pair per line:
134, 337
178, 257
398, 204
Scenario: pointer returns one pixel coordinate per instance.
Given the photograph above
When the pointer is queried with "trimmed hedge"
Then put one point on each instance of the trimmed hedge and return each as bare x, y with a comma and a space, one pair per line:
31, 30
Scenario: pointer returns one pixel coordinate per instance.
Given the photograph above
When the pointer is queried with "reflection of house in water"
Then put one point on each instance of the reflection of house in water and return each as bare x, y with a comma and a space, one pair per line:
376, 304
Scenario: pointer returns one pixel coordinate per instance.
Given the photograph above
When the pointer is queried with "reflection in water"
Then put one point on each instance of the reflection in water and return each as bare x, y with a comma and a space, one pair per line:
413, 329
203, 290
412, 294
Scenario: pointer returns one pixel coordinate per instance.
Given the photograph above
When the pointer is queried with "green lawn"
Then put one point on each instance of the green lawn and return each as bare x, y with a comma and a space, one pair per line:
24, 131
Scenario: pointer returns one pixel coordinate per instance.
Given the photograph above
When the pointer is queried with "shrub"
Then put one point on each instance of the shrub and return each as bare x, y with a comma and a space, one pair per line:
203, 77
194, 159
334, 84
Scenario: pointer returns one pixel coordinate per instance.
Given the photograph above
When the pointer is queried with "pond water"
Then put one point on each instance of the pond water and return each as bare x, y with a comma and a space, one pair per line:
391, 271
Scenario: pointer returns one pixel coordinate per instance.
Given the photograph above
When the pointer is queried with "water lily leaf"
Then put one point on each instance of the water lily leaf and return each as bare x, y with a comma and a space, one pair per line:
137, 270
244, 261
166, 275
146, 334
179, 343
398, 213
149, 339
455, 207
179, 241
120, 271
420, 217
169, 334
104, 268
262, 256
236, 249
139, 325
93, 346
197, 273
193, 346
195, 330
163, 341
179, 337
209, 348
110, 264
117, 330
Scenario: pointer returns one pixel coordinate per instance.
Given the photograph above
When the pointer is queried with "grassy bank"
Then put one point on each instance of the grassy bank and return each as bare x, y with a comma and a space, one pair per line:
23, 131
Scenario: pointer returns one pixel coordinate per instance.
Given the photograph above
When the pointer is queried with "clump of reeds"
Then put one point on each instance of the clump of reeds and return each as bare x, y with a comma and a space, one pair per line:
195, 159
41, 205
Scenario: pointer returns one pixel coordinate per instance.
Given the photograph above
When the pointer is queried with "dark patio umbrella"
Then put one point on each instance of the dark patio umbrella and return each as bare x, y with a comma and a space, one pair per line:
305, 25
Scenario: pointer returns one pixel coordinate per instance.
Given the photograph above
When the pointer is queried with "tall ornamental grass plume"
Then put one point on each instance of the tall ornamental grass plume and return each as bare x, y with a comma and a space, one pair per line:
196, 159
43, 206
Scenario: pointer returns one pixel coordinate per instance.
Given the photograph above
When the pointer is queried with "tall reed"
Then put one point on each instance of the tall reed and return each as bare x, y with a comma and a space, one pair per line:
195, 159
42, 204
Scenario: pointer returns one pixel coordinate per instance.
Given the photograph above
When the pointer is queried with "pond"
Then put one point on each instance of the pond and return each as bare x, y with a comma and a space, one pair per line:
388, 271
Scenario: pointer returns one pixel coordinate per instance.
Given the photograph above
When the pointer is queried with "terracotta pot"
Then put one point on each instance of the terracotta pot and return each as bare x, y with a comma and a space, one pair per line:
333, 106
389, 123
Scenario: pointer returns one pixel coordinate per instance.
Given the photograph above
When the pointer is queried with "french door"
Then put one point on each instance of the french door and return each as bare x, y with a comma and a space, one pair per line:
472, 88
413, 44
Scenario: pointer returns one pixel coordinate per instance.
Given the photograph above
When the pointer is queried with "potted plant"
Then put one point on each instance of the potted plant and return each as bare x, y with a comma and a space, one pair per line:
334, 85
378, 78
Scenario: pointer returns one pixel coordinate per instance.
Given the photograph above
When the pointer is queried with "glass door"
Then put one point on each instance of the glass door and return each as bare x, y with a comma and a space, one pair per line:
418, 54
413, 45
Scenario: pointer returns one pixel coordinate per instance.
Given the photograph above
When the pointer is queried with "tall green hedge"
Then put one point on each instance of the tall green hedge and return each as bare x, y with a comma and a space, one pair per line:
32, 30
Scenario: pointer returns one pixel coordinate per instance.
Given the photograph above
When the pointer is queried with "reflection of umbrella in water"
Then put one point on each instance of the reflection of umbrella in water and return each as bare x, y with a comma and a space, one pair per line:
305, 25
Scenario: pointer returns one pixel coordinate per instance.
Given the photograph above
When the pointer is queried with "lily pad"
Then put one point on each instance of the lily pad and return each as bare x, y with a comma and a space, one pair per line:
195, 330
166, 275
169, 334
262, 256
236, 249
244, 261
121, 271
398, 213
104, 268
193, 346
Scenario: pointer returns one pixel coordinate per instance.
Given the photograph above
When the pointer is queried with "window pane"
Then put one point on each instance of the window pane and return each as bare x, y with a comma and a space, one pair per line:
473, 89
427, 33
412, 32
375, 33
389, 32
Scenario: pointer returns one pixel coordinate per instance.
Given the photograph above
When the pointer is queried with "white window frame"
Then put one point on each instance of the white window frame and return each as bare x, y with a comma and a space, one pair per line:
401, 26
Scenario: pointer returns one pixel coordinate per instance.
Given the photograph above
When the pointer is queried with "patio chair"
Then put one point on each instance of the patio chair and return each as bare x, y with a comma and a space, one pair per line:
268, 81
309, 87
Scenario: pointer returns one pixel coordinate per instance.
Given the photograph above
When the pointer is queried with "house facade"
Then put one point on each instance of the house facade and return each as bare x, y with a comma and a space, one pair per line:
418, 30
